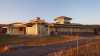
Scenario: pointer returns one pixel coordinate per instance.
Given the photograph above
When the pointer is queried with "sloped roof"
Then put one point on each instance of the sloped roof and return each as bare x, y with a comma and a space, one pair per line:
63, 17
3, 25
17, 24
37, 20
64, 25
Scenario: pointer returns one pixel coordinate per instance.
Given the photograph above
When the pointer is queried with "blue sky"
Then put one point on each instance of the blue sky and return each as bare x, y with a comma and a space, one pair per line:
82, 11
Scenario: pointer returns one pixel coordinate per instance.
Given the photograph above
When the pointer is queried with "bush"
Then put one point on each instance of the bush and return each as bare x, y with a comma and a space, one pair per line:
4, 38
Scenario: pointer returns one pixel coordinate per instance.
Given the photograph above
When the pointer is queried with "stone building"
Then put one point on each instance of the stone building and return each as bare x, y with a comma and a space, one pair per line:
62, 26
37, 27
34, 27
17, 28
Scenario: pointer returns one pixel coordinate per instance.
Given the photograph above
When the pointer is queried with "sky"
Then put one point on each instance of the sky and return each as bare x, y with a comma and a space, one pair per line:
82, 11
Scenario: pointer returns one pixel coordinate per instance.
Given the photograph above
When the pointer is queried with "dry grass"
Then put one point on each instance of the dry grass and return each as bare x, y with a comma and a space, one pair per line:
39, 40
89, 49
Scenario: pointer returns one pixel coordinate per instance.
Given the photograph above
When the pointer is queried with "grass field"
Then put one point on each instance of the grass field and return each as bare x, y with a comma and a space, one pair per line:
88, 49
16, 39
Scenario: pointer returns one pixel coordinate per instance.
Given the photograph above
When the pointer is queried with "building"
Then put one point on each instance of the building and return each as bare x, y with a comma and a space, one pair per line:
3, 29
16, 28
62, 26
37, 27
34, 27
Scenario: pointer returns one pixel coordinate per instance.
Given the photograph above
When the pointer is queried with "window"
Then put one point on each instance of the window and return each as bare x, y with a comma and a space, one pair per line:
21, 29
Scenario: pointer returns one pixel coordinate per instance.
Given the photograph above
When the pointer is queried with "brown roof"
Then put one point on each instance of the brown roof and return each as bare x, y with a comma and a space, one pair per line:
3, 25
64, 25
63, 17
31, 24
17, 24
37, 20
